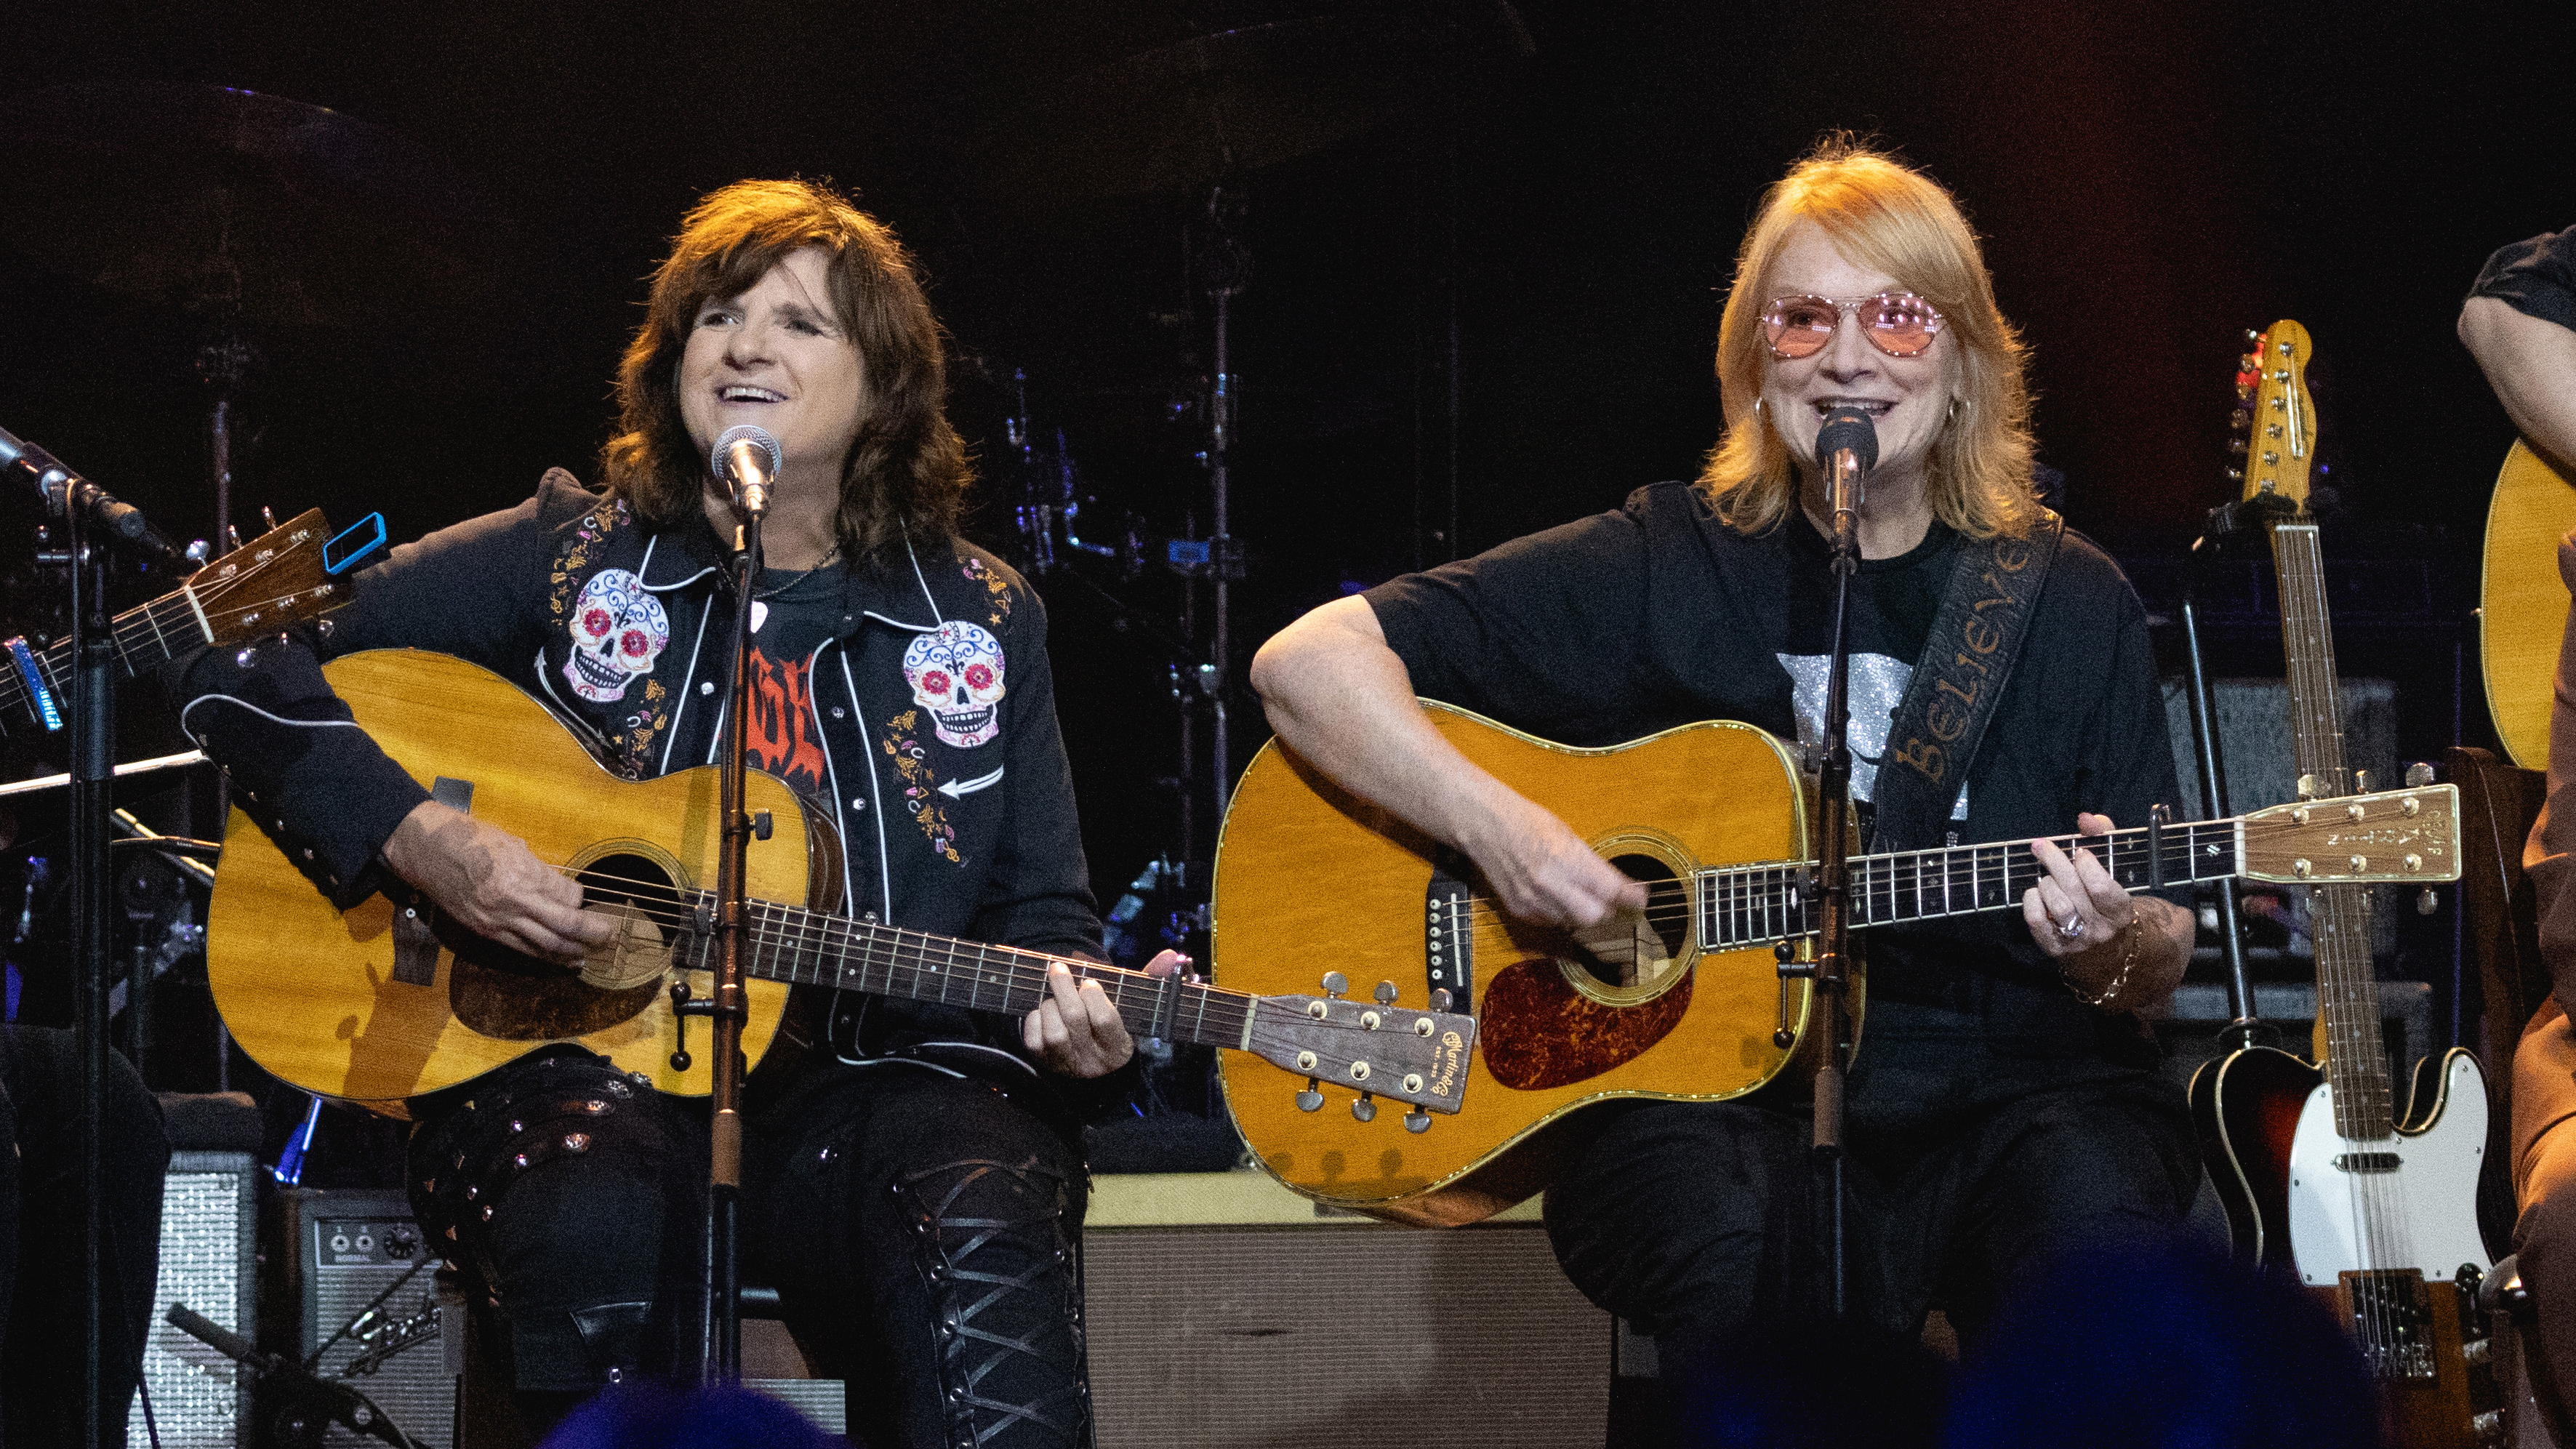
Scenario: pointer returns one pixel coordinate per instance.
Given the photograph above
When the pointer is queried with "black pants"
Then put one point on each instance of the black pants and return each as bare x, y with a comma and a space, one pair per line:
1982, 1142
924, 1232
40, 1224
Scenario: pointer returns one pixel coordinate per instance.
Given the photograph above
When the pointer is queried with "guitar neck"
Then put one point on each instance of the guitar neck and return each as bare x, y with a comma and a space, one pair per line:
813, 948
2356, 1060
145, 636
1753, 905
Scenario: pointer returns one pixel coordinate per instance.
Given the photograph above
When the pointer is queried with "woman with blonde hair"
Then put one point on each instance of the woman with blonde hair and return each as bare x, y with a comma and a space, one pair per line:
2003, 1105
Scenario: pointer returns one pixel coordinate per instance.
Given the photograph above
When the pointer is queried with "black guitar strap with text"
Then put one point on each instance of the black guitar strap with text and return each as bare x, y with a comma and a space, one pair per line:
1985, 615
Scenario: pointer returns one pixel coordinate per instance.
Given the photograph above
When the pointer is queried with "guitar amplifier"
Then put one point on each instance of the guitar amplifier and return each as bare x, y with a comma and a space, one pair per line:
209, 1249
1224, 1310
359, 1278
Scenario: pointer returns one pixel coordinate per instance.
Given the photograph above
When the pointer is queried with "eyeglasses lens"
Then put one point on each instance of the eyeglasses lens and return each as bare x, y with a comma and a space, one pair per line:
1901, 324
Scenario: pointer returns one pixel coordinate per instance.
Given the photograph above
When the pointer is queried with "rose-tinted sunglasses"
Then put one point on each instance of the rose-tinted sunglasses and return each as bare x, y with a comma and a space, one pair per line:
1899, 323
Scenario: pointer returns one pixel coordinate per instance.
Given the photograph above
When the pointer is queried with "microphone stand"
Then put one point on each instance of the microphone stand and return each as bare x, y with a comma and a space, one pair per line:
94, 521
1830, 969
720, 1343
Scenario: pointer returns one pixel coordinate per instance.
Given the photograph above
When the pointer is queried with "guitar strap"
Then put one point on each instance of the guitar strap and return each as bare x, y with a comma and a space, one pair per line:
1985, 616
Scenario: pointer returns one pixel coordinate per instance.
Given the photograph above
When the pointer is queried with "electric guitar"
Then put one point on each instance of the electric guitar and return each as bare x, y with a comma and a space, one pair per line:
2522, 602
2319, 1176
1685, 1004
389, 1001
275, 580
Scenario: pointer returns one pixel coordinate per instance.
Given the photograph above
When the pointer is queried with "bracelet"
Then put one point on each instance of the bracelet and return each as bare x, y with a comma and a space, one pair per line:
2128, 960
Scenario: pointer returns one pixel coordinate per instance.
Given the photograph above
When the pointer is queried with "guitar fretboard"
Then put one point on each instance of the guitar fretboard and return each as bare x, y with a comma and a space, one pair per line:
1750, 905
813, 948
145, 635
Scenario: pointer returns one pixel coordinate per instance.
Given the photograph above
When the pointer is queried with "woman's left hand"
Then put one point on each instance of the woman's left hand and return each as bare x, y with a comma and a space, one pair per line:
2076, 907
1076, 1030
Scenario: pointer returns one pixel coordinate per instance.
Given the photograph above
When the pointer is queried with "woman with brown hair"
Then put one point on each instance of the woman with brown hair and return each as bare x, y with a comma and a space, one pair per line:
912, 1183
2003, 1105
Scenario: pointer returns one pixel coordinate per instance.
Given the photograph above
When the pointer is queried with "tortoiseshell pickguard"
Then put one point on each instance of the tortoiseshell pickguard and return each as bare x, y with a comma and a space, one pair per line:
1535, 1030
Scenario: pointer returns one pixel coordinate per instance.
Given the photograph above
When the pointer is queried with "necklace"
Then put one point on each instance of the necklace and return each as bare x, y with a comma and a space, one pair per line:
799, 580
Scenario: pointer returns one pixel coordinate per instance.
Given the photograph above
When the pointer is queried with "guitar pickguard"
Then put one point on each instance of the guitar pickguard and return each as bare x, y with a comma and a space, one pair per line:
1540, 1032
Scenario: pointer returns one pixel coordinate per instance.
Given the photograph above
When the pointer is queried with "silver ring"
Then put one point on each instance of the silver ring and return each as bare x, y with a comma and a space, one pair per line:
2071, 929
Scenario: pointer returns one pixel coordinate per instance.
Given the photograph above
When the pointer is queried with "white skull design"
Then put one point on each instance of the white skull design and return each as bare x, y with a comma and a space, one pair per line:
956, 674
618, 630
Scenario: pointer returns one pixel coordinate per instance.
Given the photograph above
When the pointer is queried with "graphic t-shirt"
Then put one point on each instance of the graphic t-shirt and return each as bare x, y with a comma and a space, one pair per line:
792, 615
1893, 601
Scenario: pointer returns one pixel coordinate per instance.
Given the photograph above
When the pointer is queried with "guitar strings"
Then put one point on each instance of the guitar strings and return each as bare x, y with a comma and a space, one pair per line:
831, 940
2355, 1065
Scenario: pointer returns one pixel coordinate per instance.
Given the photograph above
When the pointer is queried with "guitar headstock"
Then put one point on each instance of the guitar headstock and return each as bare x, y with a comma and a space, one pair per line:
2393, 835
2275, 415
272, 581
1374, 1048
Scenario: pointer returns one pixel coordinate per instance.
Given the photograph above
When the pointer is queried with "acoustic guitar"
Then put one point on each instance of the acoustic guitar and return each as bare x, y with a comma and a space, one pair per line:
272, 581
2320, 1176
388, 1000
1684, 1004
2522, 602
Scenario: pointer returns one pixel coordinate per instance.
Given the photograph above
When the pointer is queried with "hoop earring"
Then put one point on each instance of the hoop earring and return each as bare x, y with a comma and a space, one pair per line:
1757, 407
1952, 415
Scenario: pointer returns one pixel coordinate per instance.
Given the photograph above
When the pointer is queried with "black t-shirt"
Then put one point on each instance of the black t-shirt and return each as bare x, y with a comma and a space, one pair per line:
1656, 615
2536, 276
793, 613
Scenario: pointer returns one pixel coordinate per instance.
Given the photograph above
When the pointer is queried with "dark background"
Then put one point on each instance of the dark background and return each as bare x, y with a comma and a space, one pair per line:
1547, 240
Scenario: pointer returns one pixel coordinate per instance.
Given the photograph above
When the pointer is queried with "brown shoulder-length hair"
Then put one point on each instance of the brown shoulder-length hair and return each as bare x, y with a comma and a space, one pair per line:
1899, 222
907, 472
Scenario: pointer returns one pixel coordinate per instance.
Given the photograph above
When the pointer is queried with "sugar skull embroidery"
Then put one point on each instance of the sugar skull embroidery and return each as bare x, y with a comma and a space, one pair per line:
956, 674
618, 630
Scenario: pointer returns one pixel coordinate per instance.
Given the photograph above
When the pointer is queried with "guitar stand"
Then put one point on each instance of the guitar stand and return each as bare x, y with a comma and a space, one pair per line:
2229, 520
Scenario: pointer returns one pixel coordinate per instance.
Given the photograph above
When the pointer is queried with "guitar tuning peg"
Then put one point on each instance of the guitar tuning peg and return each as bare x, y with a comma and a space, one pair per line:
198, 552
1440, 999
2426, 903
1365, 1108
2235, 475
2418, 775
2253, 338
1310, 1100
2248, 363
1385, 993
1417, 1121
232, 538
1335, 983
267, 520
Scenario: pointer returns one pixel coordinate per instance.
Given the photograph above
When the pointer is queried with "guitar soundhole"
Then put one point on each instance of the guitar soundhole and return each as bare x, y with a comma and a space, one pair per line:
1628, 952
650, 912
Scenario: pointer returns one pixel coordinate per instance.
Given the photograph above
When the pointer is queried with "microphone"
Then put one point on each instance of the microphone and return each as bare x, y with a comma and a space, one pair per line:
1846, 448
65, 490
747, 459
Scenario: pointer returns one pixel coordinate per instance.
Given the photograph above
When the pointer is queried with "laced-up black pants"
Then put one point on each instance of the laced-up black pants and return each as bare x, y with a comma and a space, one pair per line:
923, 1231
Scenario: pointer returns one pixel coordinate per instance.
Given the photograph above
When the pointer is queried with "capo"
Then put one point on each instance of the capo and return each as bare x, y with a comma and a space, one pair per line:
2157, 815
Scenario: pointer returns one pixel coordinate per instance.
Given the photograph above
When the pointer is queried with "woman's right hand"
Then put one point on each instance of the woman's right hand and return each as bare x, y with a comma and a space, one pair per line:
488, 881
1541, 870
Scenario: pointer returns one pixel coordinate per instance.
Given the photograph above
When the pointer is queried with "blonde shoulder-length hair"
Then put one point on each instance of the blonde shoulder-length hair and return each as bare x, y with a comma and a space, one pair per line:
1901, 223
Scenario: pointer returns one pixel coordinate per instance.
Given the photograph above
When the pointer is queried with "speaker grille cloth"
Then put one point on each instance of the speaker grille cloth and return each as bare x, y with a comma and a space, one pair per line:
1353, 1335
199, 1397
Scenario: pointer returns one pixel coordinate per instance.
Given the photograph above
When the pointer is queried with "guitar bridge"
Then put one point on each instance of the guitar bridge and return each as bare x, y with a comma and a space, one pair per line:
1448, 933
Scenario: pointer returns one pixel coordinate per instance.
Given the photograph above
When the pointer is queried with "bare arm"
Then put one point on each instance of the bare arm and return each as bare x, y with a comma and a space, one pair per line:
2532, 366
1341, 698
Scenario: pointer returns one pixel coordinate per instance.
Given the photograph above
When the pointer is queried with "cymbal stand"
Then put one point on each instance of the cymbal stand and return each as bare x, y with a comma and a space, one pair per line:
1222, 264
